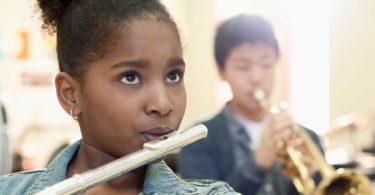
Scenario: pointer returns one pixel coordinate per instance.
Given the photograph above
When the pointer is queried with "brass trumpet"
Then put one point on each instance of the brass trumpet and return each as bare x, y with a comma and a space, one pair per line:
340, 182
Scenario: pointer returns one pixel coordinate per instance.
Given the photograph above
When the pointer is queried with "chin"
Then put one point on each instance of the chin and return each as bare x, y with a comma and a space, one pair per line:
124, 150
252, 106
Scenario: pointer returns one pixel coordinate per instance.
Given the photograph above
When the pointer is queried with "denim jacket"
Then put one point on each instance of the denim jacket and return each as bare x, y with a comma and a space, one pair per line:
159, 179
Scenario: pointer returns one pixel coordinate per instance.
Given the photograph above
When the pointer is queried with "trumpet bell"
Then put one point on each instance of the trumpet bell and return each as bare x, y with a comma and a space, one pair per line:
340, 182
344, 182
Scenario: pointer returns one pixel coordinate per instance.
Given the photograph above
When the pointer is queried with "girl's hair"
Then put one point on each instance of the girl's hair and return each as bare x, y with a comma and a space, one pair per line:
86, 29
242, 29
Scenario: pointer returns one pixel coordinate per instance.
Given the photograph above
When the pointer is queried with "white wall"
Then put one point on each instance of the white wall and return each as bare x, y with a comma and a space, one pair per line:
352, 79
197, 22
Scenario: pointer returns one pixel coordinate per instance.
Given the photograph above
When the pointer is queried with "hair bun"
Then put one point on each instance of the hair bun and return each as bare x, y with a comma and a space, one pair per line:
51, 12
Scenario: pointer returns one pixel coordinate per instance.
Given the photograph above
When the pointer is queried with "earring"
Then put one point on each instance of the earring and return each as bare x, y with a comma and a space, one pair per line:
71, 114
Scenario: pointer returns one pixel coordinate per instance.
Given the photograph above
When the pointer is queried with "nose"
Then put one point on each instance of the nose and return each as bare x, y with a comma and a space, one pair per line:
256, 75
159, 102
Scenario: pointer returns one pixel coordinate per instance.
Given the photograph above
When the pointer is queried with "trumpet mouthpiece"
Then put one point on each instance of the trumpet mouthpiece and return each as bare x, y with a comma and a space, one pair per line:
259, 94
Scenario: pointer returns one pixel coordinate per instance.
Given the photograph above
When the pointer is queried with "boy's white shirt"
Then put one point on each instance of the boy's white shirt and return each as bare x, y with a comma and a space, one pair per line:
254, 129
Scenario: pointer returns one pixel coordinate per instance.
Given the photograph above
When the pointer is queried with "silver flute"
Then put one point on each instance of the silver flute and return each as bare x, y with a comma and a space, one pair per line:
151, 151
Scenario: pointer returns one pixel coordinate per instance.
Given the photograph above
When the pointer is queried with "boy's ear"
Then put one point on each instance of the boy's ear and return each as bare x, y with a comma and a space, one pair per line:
68, 93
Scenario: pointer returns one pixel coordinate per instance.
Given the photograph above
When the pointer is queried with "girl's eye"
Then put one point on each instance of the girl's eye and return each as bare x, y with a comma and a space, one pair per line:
131, 78
174, 77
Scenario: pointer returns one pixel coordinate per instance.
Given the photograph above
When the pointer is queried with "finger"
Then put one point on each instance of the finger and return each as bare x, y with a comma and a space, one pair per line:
282, 116
289, 169
308, 161
300, 145
297, 143
283, 123
283, 134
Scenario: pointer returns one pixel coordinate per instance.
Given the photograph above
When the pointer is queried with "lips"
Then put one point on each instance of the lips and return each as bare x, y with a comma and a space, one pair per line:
155, 133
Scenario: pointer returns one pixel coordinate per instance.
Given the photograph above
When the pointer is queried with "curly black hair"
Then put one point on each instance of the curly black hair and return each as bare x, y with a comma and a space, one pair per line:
86, 29
240, 29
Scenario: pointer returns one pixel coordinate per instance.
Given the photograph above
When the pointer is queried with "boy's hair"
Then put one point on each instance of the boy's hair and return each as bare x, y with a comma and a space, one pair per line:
242, 29
86, 29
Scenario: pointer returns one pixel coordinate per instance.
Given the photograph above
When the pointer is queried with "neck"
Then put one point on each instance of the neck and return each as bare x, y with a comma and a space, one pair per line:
88, 157
255, 114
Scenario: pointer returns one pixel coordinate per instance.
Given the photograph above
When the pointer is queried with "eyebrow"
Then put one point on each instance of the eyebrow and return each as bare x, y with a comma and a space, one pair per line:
263, 57
131, 63
175, 62
143, 64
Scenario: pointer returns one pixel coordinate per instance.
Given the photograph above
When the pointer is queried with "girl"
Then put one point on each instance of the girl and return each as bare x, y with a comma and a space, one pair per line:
121, 77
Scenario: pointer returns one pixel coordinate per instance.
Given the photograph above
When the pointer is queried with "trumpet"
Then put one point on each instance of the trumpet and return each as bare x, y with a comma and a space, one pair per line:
340, 182
151, 151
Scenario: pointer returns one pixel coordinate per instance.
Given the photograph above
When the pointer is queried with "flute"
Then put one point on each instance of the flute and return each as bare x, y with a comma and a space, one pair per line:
150, 152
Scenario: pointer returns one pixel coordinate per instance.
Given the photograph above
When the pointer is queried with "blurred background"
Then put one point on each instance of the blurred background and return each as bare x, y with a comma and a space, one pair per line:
325, 74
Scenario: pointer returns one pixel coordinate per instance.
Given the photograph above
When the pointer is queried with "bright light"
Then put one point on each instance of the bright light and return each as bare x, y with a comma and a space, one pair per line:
337, 156
224, 92
309, 39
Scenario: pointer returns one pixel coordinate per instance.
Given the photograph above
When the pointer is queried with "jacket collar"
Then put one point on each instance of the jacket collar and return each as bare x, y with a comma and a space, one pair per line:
235, 127
160, 179
56, 170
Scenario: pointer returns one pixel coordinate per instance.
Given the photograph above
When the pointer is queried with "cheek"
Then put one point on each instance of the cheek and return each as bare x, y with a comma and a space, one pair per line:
111, 112
270, 79
113, 125
237, 76
238, 83
179, 100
